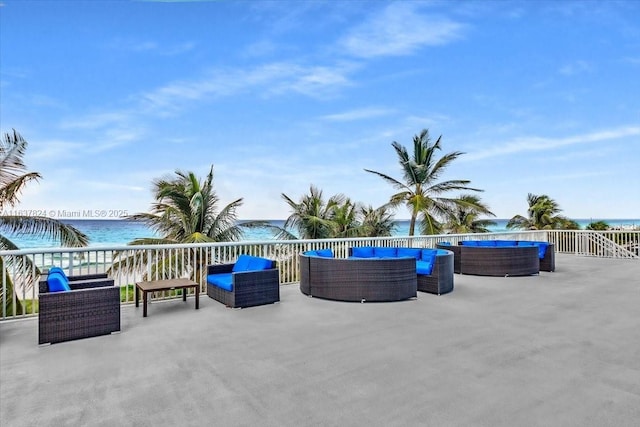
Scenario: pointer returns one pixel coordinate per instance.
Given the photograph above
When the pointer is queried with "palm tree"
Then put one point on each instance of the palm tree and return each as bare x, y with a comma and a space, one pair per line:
312, 217
377, 222
465, 217
344, 219
421, 192
542, 214
13, 179
186, 210
598, 226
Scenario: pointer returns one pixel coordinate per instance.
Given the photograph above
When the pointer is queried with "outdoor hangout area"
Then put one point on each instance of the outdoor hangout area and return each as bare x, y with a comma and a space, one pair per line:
549, 349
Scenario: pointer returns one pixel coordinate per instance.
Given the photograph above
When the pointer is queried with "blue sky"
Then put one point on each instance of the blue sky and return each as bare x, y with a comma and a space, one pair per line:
543, 97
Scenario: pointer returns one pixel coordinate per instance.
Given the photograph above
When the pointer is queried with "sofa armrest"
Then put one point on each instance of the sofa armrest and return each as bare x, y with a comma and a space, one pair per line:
90, 284
219, 268
256, 277
83, 277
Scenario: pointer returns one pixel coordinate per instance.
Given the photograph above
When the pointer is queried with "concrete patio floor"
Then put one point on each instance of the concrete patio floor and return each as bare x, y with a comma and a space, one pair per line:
558, 349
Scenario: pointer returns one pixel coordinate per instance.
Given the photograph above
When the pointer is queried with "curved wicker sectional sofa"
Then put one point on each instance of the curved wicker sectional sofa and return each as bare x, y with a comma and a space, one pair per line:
502, 257
392, 277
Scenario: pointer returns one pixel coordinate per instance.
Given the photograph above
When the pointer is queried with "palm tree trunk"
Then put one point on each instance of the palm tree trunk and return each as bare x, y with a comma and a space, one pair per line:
412, 224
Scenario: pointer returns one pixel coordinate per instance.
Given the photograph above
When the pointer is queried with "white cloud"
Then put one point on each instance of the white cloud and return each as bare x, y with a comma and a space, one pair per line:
536, 143
399, 30
576, 67
359, 114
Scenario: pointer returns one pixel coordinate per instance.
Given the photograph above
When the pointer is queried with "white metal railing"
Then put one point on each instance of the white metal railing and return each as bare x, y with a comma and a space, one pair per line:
128, 264
603, 244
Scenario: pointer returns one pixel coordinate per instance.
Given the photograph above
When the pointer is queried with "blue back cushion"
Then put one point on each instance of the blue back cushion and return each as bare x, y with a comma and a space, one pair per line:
542, 249
469, 243
310, 253
325, 253
409, 253
58, 270
256, 263
380, 252
362, 252
429, 255
506, 243
525, 243
56, 282
242, 263
486, 243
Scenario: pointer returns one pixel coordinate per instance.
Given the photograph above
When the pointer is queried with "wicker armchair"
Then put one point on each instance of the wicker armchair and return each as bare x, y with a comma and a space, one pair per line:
249, 288
91, 308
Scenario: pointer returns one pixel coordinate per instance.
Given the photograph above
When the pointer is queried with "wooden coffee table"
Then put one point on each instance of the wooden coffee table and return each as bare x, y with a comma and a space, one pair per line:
165, 285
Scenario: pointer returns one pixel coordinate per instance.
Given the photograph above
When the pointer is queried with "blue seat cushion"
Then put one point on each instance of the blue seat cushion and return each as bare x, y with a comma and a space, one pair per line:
424, 268
57, 282
381, 252
362, 252
506, 243
409, 253
325, 253
221, 280
525, 243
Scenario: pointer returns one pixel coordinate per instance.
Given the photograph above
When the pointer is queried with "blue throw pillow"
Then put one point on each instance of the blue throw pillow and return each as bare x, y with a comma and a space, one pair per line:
325, 253
56, 282
445, 243
310, 253
409, 253
242, 263
362, 252
380, 252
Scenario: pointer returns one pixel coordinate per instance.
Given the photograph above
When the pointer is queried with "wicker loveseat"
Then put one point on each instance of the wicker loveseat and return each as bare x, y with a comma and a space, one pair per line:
248, 282
434, 267
90, 308
501, 257
357, 280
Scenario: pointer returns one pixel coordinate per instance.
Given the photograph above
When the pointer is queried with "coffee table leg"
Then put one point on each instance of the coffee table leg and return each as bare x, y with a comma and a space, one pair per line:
184, 294
137, 296
144, 303
197, 287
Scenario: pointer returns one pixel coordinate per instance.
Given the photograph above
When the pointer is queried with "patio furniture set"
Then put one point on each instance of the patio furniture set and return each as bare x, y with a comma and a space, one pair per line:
501, 257
376, 273
83, 306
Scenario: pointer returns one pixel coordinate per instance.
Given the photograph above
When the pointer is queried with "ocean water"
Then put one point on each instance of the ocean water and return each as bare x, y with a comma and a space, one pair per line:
121, 232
